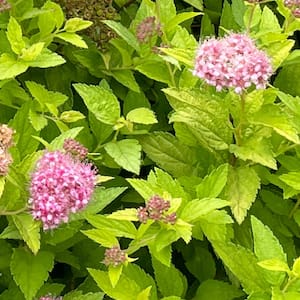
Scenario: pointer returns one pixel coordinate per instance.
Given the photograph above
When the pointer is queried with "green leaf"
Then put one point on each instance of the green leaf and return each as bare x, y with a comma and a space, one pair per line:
72, 38
78, 295
71, 116
286, 80
58, 142
238, 10
267, 246
129, 214
126, 153
14, 36
291, 179
38, 121
243, 264
213, 184
293, 103
29, 230
205, 115
76, 24
124, 33
279, 51
269, 21
195, 209
242, 186
143, 279
274, 265
170, 281
125, 289
185, 56
101, 236
157, 70
100, 101
32, 52
167, 10
296, 267
126, 78
216, 290
51, 19
169, 153
257, 149
159, 183
100, 199
30, 271
163, 255
114, 274
10, 67
2, 185
145, 294
227, 19
120, 228
197, 4
180, 18
47, 59
142, 115
47, 99
24, 131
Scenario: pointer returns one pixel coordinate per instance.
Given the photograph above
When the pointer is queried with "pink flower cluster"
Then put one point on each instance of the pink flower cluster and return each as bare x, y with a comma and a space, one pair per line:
294, 6
75, 149
4, 5
232, 62
6, 141
156, 209
60, 185
114, 256
147, 29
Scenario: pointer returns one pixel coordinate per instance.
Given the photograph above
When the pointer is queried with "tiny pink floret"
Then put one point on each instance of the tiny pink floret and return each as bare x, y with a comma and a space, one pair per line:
232, 62
60, 185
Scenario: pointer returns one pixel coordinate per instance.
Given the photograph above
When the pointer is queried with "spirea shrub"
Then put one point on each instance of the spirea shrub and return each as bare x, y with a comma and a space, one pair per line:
60, 185
190, 109
233, 61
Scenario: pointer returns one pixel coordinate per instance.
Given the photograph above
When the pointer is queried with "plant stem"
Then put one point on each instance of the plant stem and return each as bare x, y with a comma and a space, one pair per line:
290, 281
251, 17
238, 129
11, 213
295, 207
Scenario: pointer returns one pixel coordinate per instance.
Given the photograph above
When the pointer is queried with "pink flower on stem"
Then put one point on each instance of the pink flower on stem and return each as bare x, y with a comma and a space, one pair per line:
75, 148
156, 209
232, 62
60, 185
114, 256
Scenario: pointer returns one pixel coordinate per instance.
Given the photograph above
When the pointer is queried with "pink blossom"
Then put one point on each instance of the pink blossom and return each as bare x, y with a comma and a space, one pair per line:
60, 185
147, 29
114, 256
75, 148
156, 209
232, 62
5, 161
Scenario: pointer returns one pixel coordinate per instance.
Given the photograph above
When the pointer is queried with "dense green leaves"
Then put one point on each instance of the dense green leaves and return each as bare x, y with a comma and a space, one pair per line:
243, 264
30, 271
126, 153
241, 195
100, 101
206, 117
169, 153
